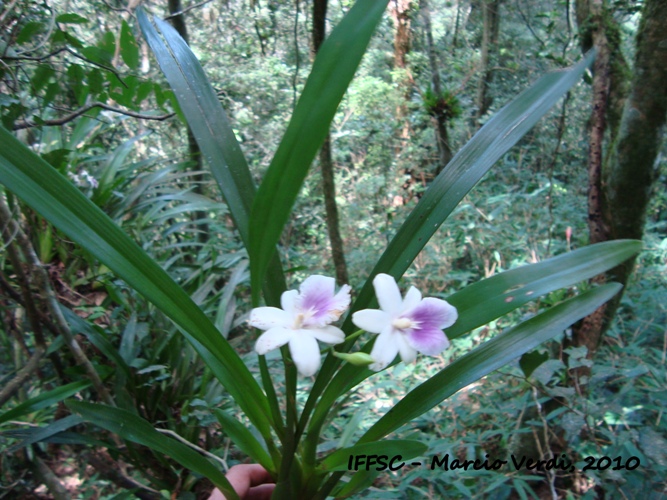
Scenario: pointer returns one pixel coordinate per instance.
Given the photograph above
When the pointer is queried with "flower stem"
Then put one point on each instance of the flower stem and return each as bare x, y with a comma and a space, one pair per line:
354, 335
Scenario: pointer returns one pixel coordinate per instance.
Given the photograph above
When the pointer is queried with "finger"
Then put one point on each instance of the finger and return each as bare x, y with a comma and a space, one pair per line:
248, 475
261, 492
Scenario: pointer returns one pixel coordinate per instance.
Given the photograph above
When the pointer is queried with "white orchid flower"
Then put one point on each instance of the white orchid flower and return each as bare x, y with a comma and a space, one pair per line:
405, 325
305, 318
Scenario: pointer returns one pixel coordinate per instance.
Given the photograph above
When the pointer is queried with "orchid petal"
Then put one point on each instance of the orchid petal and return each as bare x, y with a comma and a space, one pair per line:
388, 294
430, 341
328, 334
305, 353
412, 299
405, 350
341, 302
273, 339
407, 325
318, 303
315, 291
384, 350
288, 302
266, 318
371, 320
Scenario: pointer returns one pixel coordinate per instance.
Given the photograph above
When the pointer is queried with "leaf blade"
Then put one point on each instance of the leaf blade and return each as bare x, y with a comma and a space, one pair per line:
45, 400
244, 440
467, 167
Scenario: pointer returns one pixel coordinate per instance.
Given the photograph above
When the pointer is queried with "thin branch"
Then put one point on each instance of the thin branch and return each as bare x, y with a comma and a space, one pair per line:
8, 238
22, 376
111, 470
296, 50
69, 51
194, 447
16, 297
554, 156
75, 114
38, 58
47, 477
527, 23
16, 82
187, 9
47, 35
9, 8
117, 9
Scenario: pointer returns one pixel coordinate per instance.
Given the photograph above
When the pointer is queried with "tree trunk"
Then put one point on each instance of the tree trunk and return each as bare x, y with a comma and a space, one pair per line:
400, 13
630, 172
457, 22
491, 15
598, 28
440, 112
193, 148
326, 162
399, 10
597, 227
617, 206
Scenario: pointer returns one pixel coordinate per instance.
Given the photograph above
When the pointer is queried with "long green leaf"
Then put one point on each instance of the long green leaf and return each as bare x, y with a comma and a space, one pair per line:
53, 196
80, 325
244, 440
490, 356
213, 132
61, 437
333, 69
43, 433
494, 297
44, 400
133, 428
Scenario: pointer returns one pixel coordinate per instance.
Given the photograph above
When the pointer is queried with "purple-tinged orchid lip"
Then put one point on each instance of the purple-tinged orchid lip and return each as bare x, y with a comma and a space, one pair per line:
319, 304
429, 341
316, 304
432, 313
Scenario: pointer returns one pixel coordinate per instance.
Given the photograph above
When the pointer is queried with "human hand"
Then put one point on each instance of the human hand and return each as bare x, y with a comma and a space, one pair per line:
250, 481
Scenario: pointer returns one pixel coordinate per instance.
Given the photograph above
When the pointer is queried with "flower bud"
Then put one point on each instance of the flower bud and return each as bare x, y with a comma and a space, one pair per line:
355, 358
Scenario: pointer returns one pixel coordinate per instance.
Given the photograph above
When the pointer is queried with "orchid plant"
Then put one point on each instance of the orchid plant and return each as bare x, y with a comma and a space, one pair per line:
279, 433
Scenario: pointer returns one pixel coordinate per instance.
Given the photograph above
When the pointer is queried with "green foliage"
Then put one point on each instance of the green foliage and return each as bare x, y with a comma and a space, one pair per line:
446, 104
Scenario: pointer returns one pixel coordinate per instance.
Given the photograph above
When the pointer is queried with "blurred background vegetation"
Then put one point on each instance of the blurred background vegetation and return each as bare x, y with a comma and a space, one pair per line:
79, 86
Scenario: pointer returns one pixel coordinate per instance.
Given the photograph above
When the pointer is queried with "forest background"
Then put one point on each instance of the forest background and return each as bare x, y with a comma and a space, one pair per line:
79, 85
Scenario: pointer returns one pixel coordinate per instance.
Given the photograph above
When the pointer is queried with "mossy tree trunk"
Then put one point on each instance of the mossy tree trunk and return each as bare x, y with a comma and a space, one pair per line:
439, 113
400, 12
620, 180
491, 16
630, 171
326, 162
